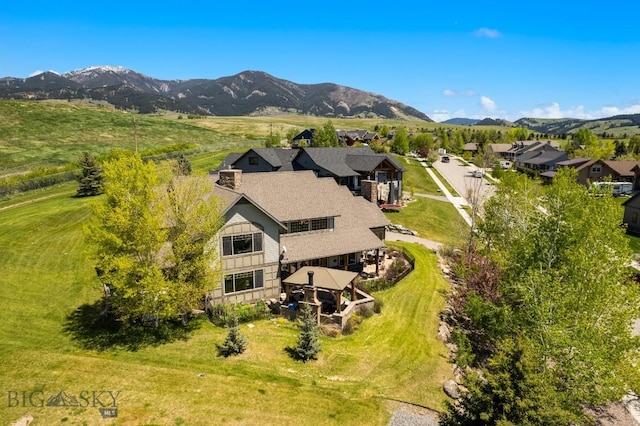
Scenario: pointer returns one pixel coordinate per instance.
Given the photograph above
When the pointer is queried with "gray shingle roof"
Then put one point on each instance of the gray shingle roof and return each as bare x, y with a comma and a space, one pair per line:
301, 195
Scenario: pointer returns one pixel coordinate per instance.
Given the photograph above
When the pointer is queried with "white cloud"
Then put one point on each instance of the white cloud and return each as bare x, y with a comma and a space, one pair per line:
488, 105
608, 111
440, 115
553, 110
487, 32
458, 93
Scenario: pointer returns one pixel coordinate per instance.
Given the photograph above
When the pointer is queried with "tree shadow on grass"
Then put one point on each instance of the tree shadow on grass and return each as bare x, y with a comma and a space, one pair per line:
92, 328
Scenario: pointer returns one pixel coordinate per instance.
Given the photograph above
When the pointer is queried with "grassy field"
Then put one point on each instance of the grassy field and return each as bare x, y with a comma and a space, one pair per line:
47, 282
54, 133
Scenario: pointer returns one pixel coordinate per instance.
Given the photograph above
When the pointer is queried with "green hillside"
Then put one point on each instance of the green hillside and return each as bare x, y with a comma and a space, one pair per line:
53, 133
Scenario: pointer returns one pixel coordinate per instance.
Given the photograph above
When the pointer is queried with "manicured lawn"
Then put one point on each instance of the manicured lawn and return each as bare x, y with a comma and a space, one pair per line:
416, 179
47, 275
432, 219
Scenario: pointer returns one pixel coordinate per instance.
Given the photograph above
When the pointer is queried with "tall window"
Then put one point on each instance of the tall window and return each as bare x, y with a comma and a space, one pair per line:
241, 244
243, 281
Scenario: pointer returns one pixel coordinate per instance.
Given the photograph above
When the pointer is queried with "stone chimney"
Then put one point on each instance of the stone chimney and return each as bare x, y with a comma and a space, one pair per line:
230, 178
370, 190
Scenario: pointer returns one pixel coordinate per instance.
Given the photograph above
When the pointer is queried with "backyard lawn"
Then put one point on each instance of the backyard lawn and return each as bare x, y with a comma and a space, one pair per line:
48, 346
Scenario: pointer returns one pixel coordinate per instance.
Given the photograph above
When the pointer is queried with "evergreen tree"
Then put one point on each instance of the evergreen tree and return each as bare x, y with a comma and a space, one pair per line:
514, 389
235, 343
182, 166
91, 178
309, 344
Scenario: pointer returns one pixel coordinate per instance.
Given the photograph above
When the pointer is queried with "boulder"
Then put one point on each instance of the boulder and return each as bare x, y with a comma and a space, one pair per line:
450, 387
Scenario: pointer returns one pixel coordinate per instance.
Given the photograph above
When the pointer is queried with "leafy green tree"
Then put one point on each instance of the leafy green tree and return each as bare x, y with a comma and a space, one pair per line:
634, 145
421, 141
128, 235
400, 144
192, 219
326, 135
272, 141
91, 180
182, 166
518, 134
565, 274
235, 343
151, 245
384, 131
309, 344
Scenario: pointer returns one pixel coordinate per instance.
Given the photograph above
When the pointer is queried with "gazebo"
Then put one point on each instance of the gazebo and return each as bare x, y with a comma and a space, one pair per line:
311, 278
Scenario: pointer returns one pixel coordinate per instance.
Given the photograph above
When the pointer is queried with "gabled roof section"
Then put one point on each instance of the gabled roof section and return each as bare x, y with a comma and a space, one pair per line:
331, 279
544, 154
343, 162
623, 168
575, 162
229, 160
228, 198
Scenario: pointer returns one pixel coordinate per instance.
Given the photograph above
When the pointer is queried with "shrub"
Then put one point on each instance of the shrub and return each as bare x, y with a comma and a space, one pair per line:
377, 306
221, 313
365, 312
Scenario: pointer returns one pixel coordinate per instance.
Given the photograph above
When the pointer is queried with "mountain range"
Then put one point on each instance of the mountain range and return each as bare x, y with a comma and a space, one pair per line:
244, 94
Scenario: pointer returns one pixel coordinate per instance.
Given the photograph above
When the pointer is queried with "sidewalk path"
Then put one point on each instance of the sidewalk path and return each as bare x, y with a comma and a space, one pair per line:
457, 202
396, 236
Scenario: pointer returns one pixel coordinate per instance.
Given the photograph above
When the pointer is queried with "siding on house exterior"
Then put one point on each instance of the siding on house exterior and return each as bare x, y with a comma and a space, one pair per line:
631, 216
245, 219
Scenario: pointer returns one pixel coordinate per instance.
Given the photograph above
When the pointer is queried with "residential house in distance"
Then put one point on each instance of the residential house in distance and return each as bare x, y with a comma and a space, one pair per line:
347, 137
539, 157
277, 223
351, 137
303, 138
348, 166
590, 170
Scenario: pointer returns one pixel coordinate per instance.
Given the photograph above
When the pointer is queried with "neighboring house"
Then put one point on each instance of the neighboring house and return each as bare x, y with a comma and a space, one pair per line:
349, 166
540, 158
276, 223
351, 137
631, 215
470, 147
347, 137
500, 150
303, 138
261, 160
590, 170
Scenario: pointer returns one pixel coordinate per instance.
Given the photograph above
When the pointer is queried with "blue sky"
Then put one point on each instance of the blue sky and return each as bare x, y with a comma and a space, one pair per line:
545, 59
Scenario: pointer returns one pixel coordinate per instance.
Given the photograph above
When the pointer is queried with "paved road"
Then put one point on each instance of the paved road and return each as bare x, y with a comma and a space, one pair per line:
459, 177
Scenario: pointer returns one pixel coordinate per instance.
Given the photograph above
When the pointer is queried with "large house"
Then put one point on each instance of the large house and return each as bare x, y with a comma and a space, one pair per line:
348, 166
590, 170
540, 157
277, 223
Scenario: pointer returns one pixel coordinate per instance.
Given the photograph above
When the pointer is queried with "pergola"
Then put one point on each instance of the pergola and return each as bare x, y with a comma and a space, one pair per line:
332, 280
